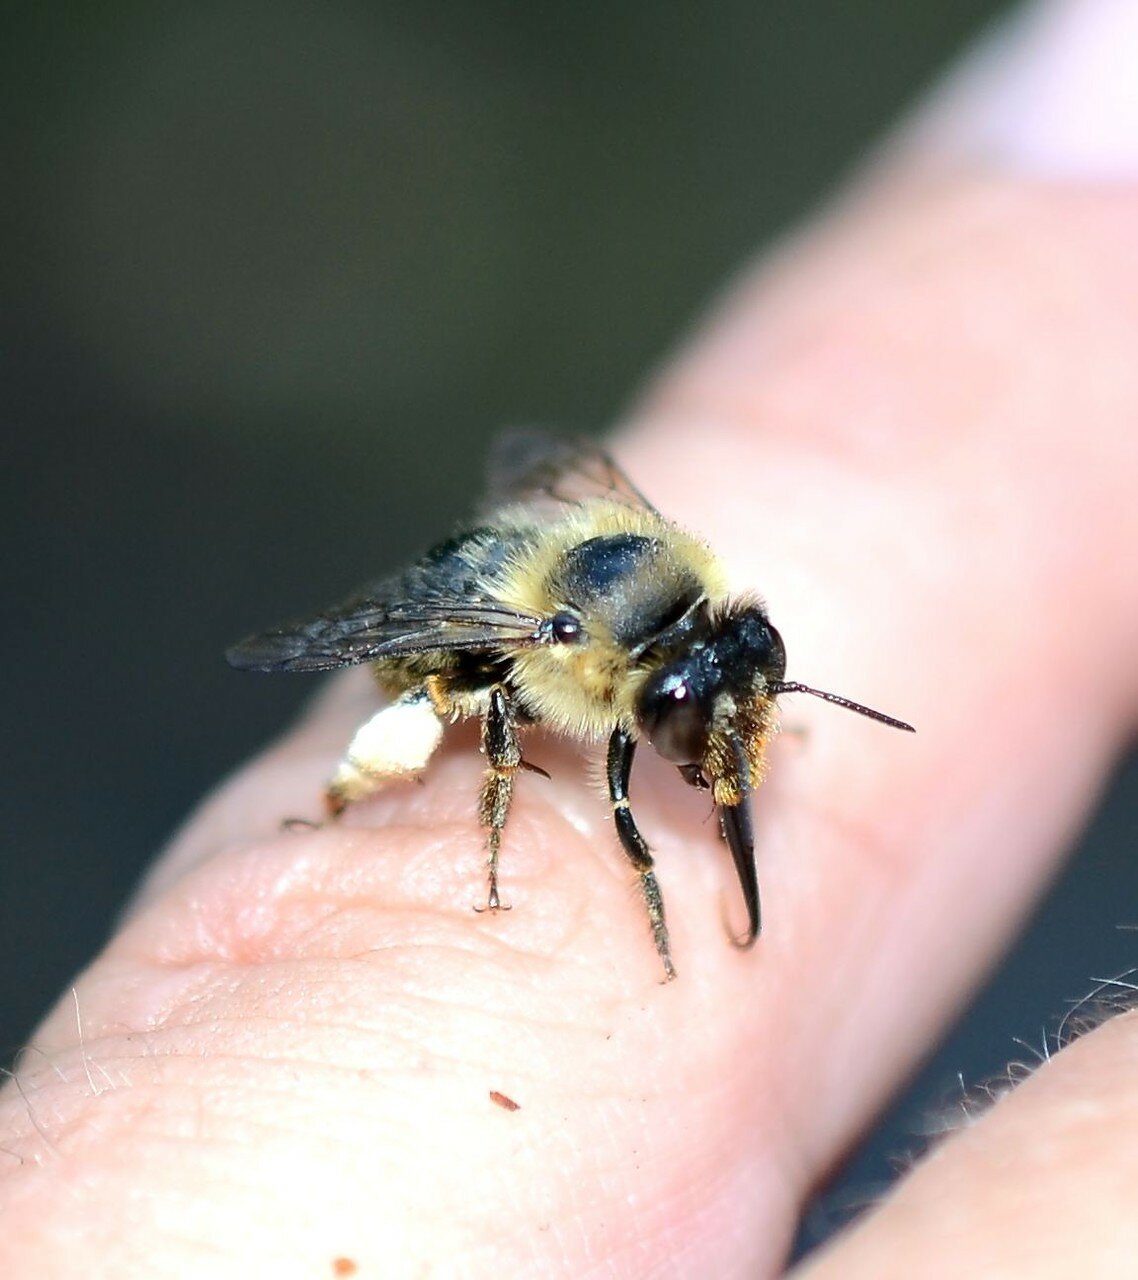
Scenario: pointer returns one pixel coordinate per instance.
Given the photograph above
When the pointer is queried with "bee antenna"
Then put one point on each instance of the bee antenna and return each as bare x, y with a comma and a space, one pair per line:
784, 686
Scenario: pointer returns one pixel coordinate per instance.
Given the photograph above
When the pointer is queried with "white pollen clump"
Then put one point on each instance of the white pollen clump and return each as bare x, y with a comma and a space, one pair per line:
397, 741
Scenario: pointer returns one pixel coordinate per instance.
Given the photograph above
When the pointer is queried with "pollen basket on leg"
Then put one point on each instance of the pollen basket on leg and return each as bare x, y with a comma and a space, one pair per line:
396, 742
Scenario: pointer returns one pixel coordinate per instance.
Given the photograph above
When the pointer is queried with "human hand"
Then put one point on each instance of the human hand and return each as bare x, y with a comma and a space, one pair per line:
912, 429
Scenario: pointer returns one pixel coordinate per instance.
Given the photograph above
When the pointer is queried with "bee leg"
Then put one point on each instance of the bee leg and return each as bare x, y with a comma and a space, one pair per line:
504, 758
622, 748
395, 743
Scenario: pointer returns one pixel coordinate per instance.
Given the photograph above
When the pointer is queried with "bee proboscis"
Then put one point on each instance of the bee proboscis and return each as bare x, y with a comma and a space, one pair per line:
572, 604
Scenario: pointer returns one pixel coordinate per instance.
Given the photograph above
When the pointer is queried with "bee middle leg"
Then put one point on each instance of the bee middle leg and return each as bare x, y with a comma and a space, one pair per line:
504, 758
622, 747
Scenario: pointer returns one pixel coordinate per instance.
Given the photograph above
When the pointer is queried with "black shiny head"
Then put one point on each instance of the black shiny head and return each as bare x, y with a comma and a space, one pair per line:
707, 710
699, 710
735, 657
674, 717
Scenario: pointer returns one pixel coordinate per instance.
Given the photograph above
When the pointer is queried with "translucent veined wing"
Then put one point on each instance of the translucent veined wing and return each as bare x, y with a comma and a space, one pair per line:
527, 466
371, 628
445, 601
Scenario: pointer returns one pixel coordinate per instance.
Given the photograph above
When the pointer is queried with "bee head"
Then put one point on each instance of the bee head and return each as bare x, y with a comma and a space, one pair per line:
699, 693
709, 708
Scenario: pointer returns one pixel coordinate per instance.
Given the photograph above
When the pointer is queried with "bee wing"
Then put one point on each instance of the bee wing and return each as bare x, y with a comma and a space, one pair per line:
531, 465
370, 628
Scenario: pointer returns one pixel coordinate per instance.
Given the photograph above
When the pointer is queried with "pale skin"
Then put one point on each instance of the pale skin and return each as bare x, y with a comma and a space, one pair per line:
914, 431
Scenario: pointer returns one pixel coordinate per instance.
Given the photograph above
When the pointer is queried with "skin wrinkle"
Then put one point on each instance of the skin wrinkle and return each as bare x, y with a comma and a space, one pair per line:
417, 1038
416, 1033
449, 795
227, 1092
202, 1005
155, 1148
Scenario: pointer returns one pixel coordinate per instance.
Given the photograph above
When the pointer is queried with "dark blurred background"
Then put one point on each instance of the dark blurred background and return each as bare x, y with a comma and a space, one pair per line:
271, 276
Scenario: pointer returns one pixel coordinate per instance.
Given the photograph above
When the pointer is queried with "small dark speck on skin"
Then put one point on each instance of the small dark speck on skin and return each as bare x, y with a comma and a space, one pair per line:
500, 1099
344, 1267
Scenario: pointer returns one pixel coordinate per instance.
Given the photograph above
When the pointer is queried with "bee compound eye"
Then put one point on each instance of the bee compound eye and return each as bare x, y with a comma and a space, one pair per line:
674, 721
564, 628
774, 666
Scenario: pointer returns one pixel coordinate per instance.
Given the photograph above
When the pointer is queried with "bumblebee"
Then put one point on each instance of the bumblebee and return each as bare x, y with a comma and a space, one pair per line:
574, 604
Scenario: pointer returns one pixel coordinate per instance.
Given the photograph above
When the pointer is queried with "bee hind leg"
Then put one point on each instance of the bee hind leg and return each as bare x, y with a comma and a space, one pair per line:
395, 743
504, 758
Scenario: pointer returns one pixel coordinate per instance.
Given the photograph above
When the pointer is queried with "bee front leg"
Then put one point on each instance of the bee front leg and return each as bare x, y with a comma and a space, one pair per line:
622, 748
395, 743
504, 758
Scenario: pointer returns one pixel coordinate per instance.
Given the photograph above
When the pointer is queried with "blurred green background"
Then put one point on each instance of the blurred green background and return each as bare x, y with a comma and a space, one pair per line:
273, 273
